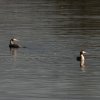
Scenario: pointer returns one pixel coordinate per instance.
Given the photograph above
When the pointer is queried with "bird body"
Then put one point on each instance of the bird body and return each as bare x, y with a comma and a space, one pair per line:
13, 43
81, 58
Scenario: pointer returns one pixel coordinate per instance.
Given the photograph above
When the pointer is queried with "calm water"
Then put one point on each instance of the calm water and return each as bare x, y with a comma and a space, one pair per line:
54, 32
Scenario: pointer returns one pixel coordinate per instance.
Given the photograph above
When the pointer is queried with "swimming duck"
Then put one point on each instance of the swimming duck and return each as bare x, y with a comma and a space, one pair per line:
13, 43
81, 58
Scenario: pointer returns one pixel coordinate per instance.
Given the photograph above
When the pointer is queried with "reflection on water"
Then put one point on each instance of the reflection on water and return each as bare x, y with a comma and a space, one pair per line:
54, 32
13, 52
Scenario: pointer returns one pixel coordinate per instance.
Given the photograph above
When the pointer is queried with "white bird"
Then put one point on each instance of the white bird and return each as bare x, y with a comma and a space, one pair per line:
81, 58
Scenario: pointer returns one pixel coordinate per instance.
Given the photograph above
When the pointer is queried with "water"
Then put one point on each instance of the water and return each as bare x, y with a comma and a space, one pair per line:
54, 32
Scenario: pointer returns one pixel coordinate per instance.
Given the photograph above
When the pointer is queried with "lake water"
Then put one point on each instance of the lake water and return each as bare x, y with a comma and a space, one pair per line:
53, 32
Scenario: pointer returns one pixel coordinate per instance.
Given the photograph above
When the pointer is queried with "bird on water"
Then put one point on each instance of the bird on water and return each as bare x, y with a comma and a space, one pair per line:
81, 58
13, 43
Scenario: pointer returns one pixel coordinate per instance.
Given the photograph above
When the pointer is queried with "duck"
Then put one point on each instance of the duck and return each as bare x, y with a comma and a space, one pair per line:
13, 43
81, 58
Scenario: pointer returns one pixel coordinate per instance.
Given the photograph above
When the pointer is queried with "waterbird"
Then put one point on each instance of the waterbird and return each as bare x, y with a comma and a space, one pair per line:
13, 43
81, 58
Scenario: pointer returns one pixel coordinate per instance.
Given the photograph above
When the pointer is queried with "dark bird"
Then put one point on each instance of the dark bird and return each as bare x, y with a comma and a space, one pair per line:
13, 43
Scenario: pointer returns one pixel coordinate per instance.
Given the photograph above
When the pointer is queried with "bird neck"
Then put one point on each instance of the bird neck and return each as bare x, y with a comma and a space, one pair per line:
11, 42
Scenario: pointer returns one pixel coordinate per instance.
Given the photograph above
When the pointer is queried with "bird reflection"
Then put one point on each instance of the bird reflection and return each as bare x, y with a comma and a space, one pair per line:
13, 52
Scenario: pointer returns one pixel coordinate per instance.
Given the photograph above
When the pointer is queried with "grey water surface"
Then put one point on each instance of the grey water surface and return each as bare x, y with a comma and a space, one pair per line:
53, 32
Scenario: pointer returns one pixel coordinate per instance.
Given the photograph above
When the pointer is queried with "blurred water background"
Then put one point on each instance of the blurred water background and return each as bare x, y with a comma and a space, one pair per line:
53, 32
